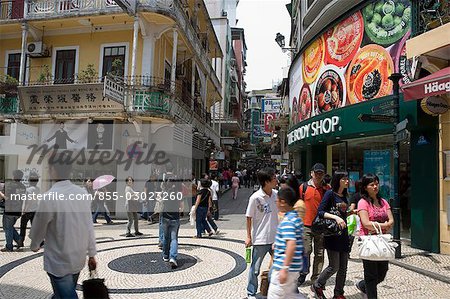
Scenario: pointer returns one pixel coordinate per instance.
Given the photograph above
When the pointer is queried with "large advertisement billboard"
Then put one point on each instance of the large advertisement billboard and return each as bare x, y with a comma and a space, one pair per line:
351, 61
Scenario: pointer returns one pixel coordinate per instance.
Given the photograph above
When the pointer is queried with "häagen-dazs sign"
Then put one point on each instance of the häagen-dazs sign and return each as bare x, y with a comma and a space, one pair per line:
315, 128
434, 105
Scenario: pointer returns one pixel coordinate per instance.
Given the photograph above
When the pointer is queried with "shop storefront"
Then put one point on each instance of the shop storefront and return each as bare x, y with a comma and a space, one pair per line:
343, 113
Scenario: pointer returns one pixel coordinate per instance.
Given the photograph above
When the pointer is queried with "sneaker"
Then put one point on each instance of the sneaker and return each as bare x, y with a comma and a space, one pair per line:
301, 279
361, 287
217, 232
318, 292
173, 263
129, 235
138, 233
166, 259
4, 249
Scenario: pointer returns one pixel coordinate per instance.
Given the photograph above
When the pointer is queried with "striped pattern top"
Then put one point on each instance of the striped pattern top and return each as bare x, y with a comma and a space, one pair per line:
291, 228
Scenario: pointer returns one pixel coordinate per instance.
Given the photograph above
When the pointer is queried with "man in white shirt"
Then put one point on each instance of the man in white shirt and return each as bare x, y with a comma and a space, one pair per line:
66, 225
262, 222
215, 195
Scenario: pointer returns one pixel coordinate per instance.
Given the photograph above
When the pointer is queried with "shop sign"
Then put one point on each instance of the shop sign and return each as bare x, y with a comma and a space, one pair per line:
113, 90
271, 106
67, 98
316, 128
434, 105
26, 134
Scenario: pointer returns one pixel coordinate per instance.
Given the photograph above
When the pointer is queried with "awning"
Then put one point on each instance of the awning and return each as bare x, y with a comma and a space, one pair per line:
432, 85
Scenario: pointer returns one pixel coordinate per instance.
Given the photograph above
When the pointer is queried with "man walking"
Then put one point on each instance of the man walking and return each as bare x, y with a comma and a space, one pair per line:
66, 225
14, 191
262, 222
170, 217
312, 196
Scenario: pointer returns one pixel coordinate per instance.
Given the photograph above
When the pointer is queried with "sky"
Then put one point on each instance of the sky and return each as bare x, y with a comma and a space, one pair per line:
261, 20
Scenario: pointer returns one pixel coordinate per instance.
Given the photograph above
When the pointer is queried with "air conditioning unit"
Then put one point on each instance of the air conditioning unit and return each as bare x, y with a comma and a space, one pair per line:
37, 49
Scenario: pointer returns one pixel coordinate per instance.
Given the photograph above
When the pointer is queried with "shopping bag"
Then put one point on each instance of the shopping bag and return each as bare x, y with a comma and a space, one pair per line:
379, 247
94, 287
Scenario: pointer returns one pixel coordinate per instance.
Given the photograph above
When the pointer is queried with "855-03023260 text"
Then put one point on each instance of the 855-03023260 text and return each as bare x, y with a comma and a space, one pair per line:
139, 196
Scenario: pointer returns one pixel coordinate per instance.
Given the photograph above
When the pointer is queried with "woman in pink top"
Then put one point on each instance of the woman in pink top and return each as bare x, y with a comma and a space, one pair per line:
373, 209
234, 185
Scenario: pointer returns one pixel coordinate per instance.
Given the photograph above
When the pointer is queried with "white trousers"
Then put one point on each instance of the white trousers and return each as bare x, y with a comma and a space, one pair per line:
287, 290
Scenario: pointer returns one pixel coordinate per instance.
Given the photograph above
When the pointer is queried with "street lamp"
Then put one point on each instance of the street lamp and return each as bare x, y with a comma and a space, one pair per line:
280, 39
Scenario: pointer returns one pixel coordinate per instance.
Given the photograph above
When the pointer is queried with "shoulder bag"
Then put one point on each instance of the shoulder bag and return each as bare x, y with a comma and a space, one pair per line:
327, 227
94, 287
379, 247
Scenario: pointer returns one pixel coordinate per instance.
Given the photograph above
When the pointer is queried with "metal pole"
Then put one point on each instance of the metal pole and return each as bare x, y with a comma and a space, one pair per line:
395, 78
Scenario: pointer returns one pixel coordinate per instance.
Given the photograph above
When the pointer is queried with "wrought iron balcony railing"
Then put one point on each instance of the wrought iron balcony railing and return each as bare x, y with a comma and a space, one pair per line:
8, 105
430, 14
10, 9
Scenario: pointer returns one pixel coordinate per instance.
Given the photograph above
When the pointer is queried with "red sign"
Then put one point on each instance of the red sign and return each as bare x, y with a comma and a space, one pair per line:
432, 85
268, 118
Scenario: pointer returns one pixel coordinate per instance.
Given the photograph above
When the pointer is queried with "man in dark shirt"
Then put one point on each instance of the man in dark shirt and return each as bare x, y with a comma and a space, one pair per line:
61, 138
171, 216
14, 191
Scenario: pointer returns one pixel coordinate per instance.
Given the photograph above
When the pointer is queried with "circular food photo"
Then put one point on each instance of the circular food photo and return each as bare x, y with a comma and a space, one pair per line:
343, 40
304, 103
312, 60
367, 75
387, 21
294, 116
330, 92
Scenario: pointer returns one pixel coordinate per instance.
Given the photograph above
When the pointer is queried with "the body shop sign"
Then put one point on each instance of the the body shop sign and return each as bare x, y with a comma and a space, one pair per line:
315, 128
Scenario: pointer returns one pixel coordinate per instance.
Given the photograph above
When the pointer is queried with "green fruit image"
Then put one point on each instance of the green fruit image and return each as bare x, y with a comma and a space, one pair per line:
399, 8
379, 7
368, 12
381, 33
407, 15
387, 22
397, 20
376, 19
389, 8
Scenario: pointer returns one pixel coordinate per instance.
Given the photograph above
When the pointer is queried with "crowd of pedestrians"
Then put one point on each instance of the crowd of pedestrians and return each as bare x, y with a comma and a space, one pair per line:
281, 218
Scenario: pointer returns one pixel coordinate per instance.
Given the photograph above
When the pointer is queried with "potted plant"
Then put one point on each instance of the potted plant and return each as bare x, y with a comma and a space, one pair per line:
44, 76
89, 75
8, 86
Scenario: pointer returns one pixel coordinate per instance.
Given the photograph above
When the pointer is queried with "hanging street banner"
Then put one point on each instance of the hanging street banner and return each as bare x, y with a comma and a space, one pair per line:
271, 106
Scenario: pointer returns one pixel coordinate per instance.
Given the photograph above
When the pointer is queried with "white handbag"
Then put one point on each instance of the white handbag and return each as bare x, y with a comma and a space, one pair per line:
379, 247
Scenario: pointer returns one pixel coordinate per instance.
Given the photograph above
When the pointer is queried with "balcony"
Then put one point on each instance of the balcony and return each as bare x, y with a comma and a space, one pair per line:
9, 105
11, 9
430, 14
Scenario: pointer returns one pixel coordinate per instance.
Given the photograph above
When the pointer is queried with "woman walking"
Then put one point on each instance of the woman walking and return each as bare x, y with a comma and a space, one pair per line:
133, 207
202, 206
337, 246
373, 210
235, 185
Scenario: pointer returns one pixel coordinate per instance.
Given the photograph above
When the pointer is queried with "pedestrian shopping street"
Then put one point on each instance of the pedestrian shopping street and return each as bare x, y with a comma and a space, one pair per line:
208, 268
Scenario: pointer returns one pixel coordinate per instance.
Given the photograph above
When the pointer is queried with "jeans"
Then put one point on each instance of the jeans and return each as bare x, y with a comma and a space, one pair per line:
308, 238
170, 245
64, 287
160, 230
211, 222
374, 273
10, 232
105, 214
258, 254
287, 290
132, 218
23, 223
200, 221
337, 263
216, 209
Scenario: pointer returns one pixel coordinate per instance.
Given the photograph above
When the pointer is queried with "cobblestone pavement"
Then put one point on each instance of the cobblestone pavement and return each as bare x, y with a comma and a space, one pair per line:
209, 268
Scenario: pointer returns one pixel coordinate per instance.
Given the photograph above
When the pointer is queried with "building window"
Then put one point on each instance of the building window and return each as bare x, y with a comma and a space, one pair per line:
65, 66
13, 68
111, 54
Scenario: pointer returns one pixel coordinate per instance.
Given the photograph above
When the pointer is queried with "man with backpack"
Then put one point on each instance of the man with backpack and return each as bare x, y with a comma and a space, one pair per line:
312, 193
